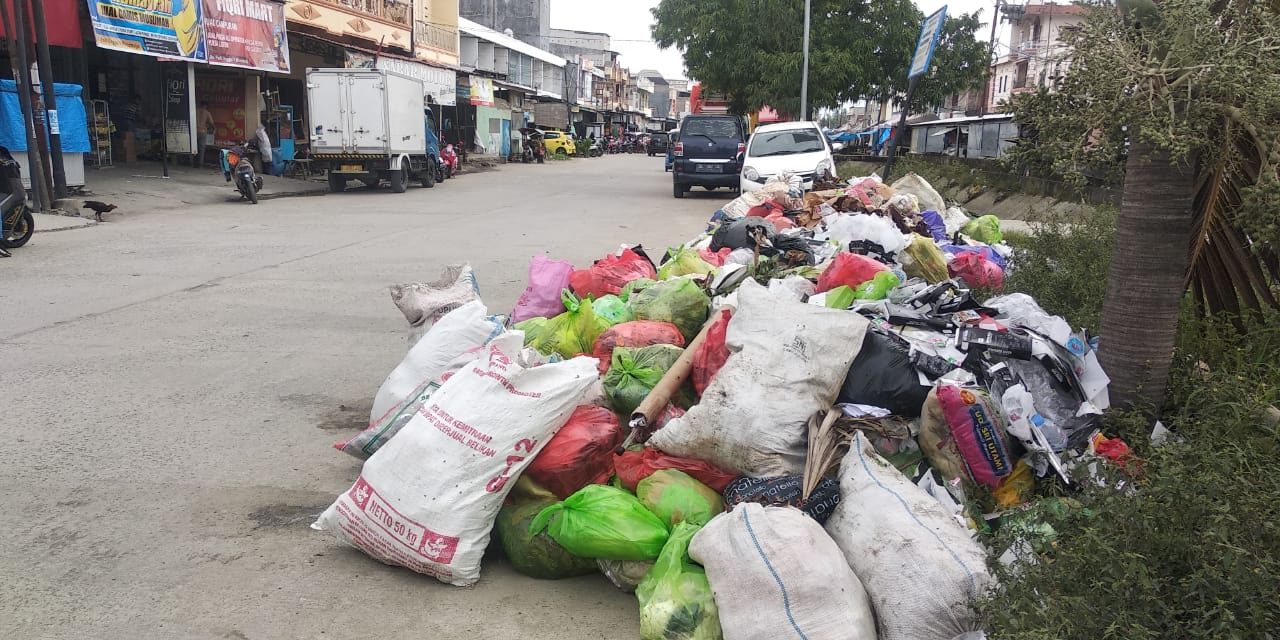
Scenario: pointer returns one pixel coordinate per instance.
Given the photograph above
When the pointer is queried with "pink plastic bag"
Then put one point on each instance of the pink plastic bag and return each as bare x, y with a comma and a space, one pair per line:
541, 299
849, 269
979, 433
715, 258
976, 270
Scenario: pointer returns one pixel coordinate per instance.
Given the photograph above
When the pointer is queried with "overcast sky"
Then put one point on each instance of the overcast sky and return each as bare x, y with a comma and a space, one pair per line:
627, 22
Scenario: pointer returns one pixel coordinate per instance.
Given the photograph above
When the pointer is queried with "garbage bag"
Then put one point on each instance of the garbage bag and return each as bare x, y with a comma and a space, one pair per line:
425, 303
742, 234
848, 269
979, 431
624, 574
937, 443
610, 273
684, 261
976, 271
785, 491
712, 353
570, 333
675, 598
634, 372
926, 195
955, 219
634, 334
937, 226
882, 376
923, 259
367, 442
982, 250
921, 568
428, 499
675, 496
679, 301
536, 555
715, 258
777, 574
840, 297
581, 452
459, 331
541, 298
612, 310
601, 521
878, 287
636, 465
635, 286
984, 229
788, 361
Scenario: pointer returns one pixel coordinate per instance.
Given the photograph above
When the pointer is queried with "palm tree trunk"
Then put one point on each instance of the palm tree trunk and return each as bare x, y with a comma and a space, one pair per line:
1147, 279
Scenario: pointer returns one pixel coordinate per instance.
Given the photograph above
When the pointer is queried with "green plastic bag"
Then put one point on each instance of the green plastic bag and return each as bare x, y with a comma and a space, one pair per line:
840, 297
676, 602
535, 555
613, 310
684, 261
675, 496
878, 287
532, 328
679, 301
634, 372
600, 521
635, 286
984, 229
570, 333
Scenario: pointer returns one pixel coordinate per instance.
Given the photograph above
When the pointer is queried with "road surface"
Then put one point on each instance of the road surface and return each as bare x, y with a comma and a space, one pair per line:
174, 381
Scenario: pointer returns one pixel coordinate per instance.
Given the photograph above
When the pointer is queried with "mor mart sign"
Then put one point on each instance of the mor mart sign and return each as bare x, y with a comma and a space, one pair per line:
236, 33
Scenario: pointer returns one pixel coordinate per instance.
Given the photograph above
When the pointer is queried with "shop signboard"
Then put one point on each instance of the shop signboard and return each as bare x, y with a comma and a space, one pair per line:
481, 92
437, 83
225, 95
246, 33
179, 108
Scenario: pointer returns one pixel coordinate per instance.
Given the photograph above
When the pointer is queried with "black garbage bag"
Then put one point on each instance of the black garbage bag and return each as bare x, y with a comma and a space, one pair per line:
792, 251
739, 234
882, 376
785, 490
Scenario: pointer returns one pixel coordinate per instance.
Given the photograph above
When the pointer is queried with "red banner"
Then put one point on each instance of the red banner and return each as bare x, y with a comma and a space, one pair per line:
61, 19
225, 96
246, 33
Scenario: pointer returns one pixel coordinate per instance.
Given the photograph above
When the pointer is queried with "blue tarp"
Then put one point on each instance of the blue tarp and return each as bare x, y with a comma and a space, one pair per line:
71, 118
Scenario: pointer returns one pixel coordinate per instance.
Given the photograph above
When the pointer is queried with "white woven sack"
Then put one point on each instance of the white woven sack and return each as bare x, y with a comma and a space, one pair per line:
922, 568
926, 195
424, 303
787, 360
776, 574
458, 332
427, 499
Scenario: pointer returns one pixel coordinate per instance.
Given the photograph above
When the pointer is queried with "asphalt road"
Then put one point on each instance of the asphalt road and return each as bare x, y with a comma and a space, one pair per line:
173, 382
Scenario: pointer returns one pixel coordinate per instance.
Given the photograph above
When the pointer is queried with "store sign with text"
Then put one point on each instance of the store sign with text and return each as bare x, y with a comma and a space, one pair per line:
248, 34
481, 91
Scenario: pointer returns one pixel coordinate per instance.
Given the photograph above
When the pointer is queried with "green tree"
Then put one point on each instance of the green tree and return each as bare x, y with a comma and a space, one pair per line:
1186, 97
751, 51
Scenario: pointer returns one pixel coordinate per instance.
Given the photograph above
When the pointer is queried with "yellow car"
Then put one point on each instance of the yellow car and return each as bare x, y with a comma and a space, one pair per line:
559, 142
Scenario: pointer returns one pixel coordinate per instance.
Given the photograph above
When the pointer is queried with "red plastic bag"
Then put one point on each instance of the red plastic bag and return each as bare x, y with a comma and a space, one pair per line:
976, 270
715, 258
634, 466
634, 334
765, 210
849, 269
581, 452
610, 273
780, 221
712, 353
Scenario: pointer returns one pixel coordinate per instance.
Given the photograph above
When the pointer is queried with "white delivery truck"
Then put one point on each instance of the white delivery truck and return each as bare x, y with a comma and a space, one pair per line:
370, 125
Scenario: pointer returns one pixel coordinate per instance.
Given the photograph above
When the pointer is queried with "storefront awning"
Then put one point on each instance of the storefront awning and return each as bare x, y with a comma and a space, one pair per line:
61, 17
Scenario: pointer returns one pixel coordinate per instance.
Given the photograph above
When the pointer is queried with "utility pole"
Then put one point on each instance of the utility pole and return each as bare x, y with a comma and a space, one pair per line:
35, 139
991, 52
804, 74
50, 100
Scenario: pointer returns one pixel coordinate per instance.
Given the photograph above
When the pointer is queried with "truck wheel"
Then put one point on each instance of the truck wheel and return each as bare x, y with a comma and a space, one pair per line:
337, 183
428, 175
399, 178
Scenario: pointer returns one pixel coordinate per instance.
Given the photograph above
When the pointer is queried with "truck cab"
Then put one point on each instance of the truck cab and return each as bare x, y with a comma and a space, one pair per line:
432, 133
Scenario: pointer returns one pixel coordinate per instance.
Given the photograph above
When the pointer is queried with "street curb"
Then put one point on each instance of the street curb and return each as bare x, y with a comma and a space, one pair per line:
87, 223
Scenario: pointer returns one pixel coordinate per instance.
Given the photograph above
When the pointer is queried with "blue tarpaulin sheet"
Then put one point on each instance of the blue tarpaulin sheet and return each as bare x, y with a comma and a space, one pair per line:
71, 118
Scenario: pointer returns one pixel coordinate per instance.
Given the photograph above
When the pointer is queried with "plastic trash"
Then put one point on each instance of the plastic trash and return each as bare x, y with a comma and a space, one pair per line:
675, 496
542, 297
712, 353
612, 310
841, 297
848, 269
624, 574
601, 521
785, 491
923, 259
635, 371
676, 602
882, 376
580, 453
570, 333
684, 261
679, 301
862, 226
635, 334
535, 555
425, 303
984, 229
937, 226
742, 234
982, 250
926, 195
635, 465
979, 431
878, 287
610, 273
976, 270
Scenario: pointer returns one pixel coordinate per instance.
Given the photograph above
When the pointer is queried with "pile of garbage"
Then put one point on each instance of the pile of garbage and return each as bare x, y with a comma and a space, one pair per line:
791, 425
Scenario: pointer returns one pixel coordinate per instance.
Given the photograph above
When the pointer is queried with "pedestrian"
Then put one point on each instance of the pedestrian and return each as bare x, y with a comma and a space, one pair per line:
205, 128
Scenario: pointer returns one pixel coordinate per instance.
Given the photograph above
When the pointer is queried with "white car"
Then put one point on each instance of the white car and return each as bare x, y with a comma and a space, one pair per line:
798, 147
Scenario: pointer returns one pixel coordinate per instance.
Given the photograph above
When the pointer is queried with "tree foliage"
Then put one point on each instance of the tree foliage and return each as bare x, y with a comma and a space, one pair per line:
751, 50
1199, 79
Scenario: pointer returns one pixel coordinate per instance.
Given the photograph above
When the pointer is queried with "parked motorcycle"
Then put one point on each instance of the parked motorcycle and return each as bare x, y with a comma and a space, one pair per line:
534, 149
449, 160
597, 148
16, 222
237, 168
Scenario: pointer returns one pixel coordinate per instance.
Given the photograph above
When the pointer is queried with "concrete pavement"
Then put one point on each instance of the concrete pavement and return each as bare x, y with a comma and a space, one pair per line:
174, 380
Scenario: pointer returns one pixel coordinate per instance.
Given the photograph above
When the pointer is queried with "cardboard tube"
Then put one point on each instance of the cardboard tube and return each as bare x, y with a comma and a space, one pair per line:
660, 396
